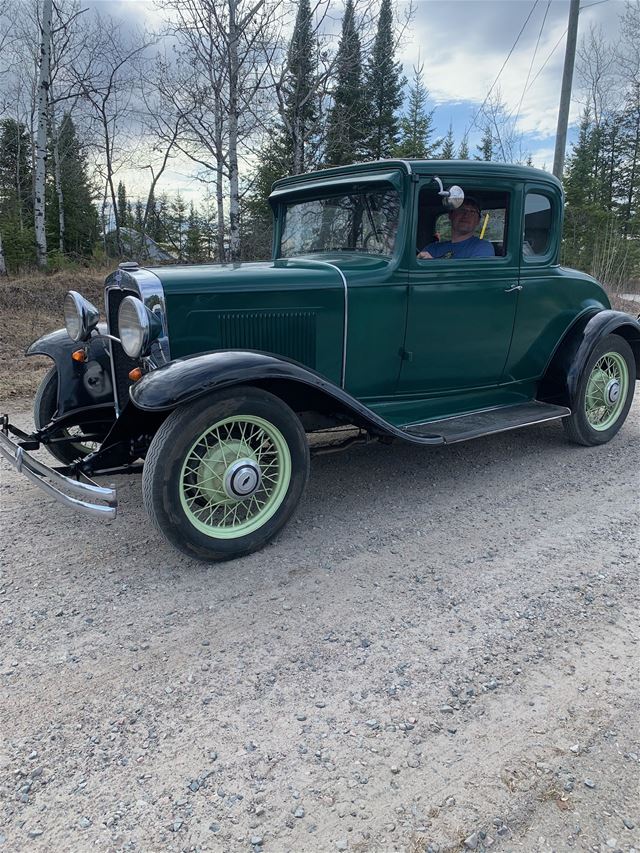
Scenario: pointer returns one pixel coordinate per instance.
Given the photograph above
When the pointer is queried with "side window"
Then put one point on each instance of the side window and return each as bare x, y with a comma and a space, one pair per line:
446, 235
537, 225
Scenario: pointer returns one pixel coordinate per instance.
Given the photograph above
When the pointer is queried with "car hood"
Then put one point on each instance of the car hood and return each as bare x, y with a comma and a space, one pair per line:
309, 270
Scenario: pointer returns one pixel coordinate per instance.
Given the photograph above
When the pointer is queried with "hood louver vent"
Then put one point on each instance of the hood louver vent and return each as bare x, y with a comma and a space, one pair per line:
288, 333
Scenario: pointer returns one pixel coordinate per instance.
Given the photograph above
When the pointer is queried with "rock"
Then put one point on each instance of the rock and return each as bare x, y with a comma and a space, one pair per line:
299, 812
84, 823
471, 842
214, 827
628, 823
194, 785
612, 843
256, 839
175, 826
36, 833
446, 709
395, 769
342, 844
301, 717
589, 783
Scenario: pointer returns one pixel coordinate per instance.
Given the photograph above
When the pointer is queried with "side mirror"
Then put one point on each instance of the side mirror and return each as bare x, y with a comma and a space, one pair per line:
451, 198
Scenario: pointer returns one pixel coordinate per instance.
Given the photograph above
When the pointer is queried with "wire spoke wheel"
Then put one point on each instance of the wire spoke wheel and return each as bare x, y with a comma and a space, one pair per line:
606, 391
603, 394
235, 476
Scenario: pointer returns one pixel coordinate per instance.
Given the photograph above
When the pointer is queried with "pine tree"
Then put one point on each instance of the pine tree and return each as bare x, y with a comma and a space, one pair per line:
463, 151
346, 120
384, 83
257, 216
176, 235
300, 85
583, 211
16, 177
416, 128
80, 213
122, 205
193, 237
485, 148
16, 195
448, 149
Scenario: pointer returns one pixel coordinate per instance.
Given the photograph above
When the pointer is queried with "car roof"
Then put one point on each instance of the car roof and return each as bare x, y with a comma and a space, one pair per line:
460, 168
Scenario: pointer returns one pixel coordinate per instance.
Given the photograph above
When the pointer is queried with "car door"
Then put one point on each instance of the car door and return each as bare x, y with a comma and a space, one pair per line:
460, 313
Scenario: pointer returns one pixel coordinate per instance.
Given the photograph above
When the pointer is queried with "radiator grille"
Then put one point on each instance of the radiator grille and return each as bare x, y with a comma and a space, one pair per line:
288, 333
122, 364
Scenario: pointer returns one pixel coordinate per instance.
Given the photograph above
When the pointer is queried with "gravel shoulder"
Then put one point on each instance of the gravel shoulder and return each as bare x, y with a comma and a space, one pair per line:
440, 652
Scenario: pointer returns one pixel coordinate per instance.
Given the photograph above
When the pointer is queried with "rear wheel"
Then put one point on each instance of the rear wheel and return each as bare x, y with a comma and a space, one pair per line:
224, 474
604, 393
45, 406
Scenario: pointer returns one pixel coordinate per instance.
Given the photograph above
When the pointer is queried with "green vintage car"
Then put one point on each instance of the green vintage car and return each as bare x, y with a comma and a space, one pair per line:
414, 300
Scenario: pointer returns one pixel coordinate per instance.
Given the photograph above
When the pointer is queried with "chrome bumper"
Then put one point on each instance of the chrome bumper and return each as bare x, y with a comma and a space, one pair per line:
56, 484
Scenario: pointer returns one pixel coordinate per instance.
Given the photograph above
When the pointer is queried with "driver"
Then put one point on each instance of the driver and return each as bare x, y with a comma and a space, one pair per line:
463, 243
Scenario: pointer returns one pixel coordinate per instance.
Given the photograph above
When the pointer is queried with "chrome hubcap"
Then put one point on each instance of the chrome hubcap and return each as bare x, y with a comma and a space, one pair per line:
612, 392
242, 479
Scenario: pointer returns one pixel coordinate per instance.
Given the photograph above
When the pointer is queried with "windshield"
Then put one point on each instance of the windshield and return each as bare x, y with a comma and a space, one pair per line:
355, 221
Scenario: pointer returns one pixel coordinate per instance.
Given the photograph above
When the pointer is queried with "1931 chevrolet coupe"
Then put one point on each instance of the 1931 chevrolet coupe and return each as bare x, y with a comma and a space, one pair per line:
214, 374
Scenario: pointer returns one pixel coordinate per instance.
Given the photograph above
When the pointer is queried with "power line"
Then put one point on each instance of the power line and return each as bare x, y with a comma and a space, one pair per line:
533, 59
555, 47
503, 65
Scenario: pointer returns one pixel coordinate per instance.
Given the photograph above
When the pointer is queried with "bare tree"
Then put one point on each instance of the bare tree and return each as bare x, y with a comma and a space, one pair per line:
228, 44
106, 79
41, 141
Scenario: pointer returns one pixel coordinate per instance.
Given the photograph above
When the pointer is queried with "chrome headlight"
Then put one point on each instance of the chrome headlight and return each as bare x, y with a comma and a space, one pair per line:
137, 326
80, 316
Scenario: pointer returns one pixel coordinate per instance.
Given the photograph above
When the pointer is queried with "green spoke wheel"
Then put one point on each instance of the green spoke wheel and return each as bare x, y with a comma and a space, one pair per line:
224, 474
604, 392
235, 477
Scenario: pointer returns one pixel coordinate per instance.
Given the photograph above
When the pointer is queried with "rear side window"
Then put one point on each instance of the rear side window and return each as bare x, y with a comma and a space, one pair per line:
537, 225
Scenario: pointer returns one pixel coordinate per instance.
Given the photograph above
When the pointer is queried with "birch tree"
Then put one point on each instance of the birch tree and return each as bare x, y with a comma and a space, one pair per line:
41, 139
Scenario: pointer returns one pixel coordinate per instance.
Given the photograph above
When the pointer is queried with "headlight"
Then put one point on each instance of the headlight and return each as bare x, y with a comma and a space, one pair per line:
137, 326
80, 316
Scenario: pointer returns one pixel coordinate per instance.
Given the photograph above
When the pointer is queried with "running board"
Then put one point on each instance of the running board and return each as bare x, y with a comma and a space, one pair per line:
488, 421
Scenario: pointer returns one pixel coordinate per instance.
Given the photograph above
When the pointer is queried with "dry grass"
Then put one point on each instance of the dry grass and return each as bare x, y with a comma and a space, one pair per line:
31, 305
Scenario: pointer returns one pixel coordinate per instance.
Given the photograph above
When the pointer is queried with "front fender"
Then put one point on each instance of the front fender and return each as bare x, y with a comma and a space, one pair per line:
80, 384
563, 374
187, 379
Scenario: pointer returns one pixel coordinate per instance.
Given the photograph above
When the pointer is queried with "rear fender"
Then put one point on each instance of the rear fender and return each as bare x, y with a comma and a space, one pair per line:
561, 378
81, 385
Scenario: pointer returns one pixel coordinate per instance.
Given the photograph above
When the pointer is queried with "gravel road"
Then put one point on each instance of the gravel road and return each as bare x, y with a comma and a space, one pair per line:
440, 652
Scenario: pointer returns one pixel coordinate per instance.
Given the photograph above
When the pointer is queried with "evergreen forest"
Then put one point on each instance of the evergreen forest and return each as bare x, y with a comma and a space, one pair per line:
225, 93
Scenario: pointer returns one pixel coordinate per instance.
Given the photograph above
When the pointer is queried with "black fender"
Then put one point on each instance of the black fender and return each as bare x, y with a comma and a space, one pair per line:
81, 385
186, 379
560, 382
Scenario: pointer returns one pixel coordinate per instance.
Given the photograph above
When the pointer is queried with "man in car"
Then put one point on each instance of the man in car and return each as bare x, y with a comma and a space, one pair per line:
463, 243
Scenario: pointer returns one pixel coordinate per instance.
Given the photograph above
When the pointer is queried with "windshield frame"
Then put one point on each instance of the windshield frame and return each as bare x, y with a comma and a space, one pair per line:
355, 187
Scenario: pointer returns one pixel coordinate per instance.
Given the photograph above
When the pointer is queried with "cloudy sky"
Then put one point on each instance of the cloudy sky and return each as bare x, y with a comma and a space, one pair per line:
463, 45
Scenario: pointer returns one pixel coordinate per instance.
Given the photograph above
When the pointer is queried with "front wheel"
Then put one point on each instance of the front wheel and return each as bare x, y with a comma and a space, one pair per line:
604, 393
224, 474
88, 432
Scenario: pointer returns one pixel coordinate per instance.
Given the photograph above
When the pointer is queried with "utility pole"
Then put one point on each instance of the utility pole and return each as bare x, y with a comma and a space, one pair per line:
565, 95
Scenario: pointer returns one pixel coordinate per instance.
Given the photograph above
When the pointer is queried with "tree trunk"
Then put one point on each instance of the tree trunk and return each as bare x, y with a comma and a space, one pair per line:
41, 141
234, 190
219, 149
3, 265
58, 180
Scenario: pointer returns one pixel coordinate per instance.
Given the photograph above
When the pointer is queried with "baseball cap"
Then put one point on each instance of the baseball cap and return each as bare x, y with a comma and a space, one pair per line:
470, 201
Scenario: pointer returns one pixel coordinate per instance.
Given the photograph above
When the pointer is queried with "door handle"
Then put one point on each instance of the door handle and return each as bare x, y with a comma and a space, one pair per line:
513, 288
